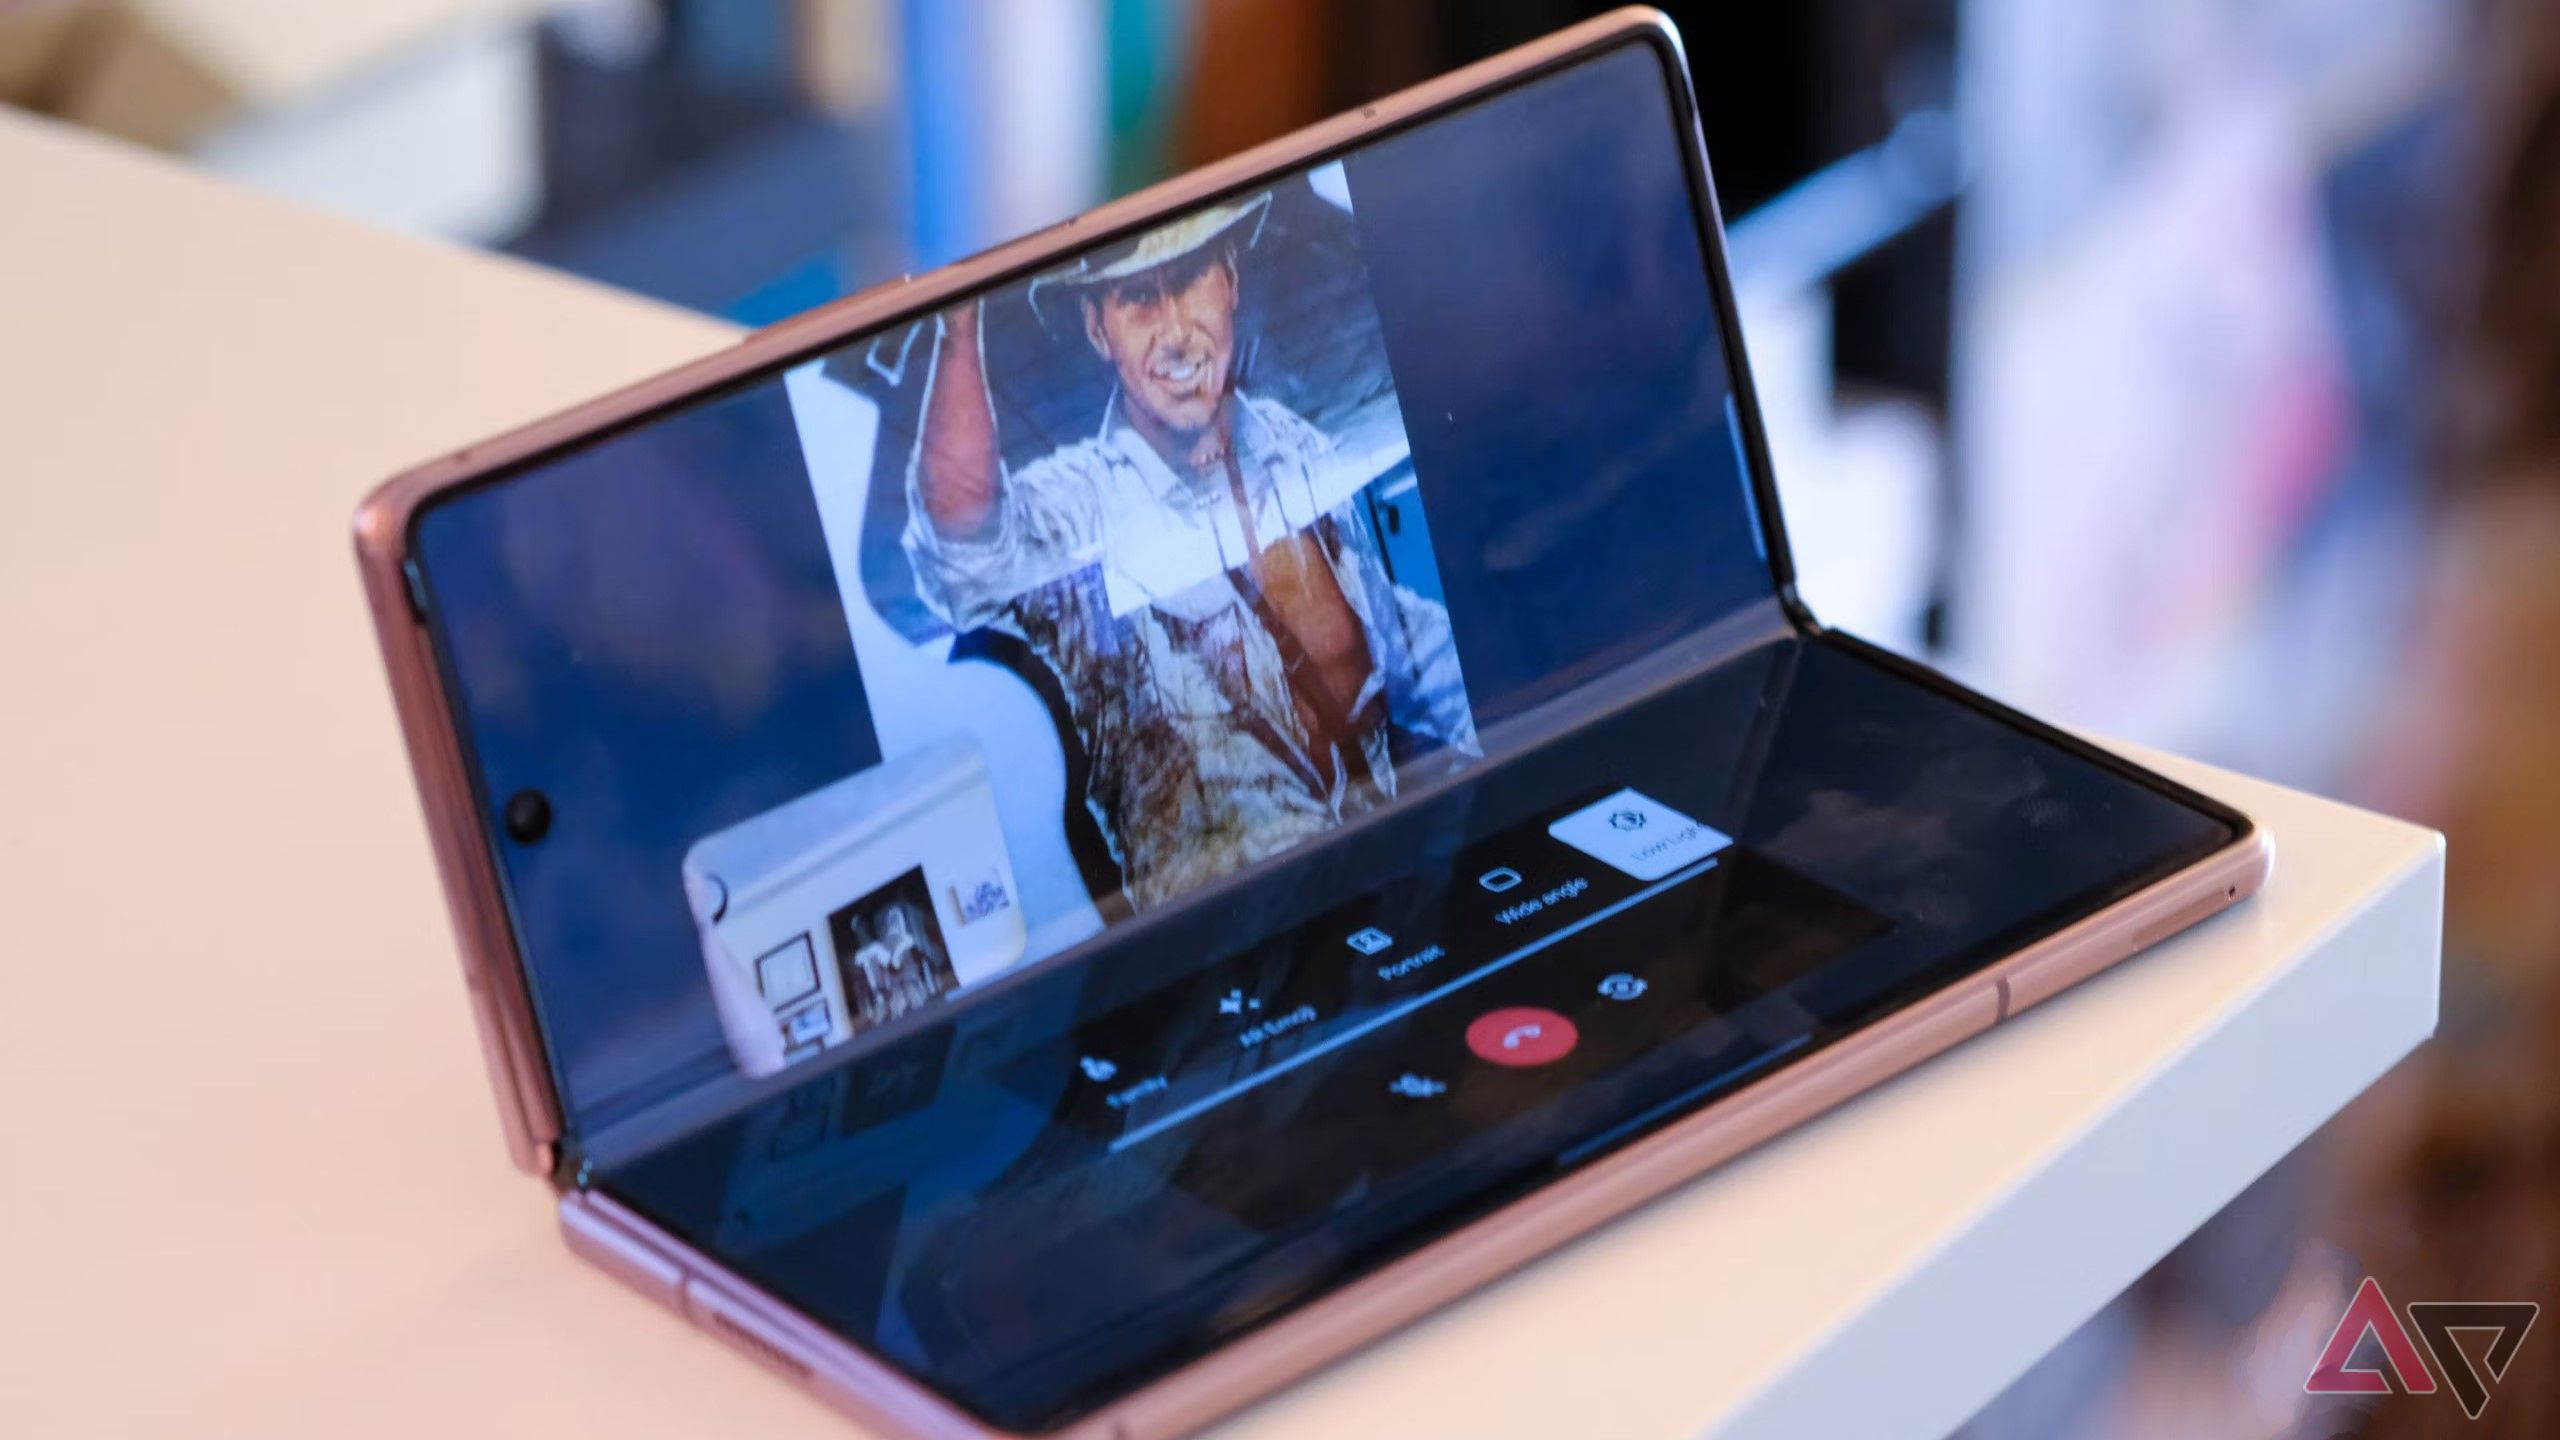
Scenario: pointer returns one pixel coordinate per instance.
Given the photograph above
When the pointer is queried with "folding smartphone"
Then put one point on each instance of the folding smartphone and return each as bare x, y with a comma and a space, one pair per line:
1057, 844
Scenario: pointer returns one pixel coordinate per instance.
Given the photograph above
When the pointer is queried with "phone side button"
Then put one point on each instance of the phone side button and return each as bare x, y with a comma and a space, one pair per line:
2032, 985
744, 1330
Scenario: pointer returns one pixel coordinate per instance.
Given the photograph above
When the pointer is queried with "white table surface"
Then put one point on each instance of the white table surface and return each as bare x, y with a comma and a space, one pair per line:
254, 1183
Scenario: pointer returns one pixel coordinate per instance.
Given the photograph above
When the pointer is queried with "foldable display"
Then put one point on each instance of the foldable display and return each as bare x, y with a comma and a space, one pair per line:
1054, 845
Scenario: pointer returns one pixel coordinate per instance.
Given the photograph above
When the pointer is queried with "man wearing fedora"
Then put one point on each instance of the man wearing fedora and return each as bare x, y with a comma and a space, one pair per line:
1241, 671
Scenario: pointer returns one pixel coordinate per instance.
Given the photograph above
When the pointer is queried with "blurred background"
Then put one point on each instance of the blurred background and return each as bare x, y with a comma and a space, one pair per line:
2187, 370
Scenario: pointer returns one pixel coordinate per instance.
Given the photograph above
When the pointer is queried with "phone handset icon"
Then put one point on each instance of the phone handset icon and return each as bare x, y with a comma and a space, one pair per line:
1519, 1036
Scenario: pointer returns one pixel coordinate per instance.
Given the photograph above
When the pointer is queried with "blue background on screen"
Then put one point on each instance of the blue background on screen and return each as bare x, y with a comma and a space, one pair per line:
647, 632
1547, 312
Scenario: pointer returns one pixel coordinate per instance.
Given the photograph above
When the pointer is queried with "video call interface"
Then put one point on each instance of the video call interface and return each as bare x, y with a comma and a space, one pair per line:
1333, 626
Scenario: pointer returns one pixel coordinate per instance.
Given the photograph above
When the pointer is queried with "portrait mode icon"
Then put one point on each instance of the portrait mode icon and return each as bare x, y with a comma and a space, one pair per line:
1097, 1070
1520, 1036
1499, 879
1370, 940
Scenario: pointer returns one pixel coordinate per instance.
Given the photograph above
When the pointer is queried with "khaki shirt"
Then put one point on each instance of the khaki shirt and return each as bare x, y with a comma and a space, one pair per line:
1120, 574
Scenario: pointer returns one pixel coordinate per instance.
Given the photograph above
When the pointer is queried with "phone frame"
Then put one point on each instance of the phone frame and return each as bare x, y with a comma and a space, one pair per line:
1339, 1321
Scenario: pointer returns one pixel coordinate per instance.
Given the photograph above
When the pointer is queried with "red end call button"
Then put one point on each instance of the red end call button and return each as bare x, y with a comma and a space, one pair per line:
1521, 1036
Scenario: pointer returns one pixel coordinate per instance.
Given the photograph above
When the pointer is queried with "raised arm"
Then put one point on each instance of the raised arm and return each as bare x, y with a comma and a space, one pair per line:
959, 469
978, 536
